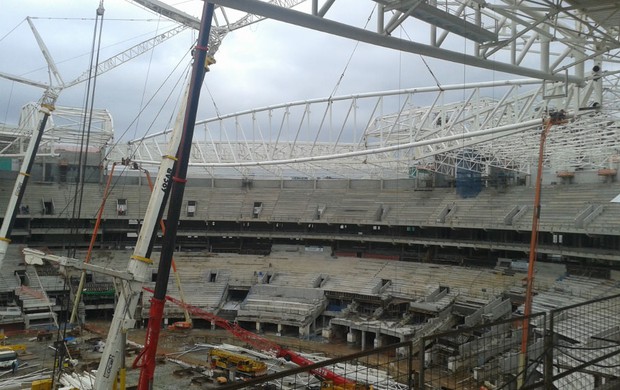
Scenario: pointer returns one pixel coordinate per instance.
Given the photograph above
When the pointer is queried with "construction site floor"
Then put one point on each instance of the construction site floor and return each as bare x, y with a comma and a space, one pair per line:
39, 353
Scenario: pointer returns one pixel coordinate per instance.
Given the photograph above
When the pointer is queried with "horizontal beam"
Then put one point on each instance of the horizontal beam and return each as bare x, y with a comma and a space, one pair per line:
358, 34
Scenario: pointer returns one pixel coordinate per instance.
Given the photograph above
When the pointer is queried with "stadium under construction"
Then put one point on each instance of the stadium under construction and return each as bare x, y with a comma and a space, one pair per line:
457, 236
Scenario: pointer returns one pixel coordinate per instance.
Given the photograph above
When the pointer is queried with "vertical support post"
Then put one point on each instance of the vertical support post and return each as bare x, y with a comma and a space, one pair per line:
548, 367
411, 376
422, 363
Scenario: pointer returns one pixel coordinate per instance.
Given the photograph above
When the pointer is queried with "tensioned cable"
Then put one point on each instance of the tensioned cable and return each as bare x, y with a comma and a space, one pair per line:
8, 106
133, 38
88, 116
151, 99
437, 83
13, 29
130, 125
357, 43
83, 157
217, 110
146, 80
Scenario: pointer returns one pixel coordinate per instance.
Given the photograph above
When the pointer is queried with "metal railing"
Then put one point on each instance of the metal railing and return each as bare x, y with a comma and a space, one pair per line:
574, 347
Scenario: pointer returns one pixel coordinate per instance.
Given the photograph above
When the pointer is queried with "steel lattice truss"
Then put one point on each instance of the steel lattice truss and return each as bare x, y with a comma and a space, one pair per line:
567, 48
546, 39
386, 134
572, 45
64, 130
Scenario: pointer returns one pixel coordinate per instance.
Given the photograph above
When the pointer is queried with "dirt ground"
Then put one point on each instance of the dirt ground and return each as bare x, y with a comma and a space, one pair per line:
39, 354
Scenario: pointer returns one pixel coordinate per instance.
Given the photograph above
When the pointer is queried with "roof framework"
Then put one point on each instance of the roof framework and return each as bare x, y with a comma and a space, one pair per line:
566, 49
386, 134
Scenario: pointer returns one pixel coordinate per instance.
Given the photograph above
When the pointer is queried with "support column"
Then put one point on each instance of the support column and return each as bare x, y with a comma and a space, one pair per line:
279, 330
378, 340
258, 327
351, 337
363, 340
304, 330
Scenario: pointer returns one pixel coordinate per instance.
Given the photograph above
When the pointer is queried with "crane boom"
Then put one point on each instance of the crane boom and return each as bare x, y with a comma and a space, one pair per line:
177, 180
218, 32
126, 55
177, 277
140, 263
46, 107
259, 342
555, 118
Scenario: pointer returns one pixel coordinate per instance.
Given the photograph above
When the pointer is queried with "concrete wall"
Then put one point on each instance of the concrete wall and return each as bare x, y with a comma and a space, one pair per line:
550, 176
332, 184
399, 184
266, 183
227, 183
298, 184
365, 184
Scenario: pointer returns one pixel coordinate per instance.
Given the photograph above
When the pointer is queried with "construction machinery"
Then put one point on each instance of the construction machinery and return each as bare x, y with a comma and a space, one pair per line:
14, 347
175, 179
555, 118
234, 361
263, 344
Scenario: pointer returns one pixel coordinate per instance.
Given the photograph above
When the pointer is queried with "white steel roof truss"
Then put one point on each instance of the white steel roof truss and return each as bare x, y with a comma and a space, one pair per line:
263, 144
344, 123
301, 123
197, 152
231, 150
277, 140
372, 120
444, 34
326, 113
209, 135
239, 129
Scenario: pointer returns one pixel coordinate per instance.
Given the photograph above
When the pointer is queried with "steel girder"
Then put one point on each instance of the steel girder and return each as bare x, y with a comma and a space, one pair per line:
549, 40
385, 134
63, 130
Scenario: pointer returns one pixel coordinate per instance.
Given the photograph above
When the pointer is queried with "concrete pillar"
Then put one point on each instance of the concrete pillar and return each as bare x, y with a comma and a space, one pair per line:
213, 326
258, 327
378, 340
304, 331
351, 336
363, 340
279, 330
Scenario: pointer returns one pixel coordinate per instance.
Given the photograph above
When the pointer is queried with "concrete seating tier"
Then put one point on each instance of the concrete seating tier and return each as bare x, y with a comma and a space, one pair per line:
295, 306
353, 202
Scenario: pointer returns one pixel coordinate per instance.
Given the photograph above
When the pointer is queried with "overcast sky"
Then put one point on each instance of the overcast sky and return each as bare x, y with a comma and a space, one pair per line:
267, 63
